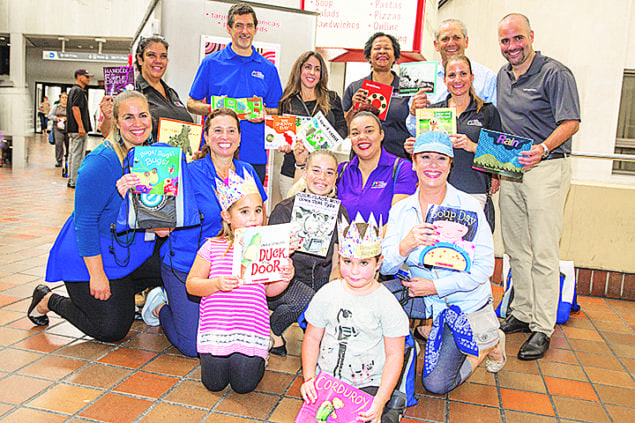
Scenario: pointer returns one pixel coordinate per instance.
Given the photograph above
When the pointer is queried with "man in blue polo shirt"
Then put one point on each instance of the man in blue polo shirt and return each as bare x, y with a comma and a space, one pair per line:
238, 71
537, 99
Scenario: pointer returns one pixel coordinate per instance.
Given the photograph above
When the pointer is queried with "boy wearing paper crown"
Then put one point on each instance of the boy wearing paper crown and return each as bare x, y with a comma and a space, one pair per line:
233, 330
356, 328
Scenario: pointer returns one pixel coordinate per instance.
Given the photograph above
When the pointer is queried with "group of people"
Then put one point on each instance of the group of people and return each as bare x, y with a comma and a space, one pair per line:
356, 321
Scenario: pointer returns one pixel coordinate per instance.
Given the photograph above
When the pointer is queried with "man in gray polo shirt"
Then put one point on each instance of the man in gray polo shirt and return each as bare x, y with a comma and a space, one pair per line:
537, 99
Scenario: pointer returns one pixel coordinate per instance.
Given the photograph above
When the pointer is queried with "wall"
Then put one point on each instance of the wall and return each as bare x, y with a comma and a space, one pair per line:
597, 42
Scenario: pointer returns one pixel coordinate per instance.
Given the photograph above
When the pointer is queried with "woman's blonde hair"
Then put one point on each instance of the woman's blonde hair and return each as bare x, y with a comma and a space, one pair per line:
112, 141
300, 186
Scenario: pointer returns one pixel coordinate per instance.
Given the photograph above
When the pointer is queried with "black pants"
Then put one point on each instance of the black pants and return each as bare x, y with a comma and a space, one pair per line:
243, 373
109, 320
288, 306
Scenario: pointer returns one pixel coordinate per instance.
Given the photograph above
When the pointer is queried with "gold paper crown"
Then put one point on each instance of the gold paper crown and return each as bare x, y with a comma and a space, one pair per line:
353, 245
234, 188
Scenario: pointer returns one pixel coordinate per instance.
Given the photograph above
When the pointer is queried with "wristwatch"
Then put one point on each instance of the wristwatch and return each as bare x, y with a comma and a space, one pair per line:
545, 150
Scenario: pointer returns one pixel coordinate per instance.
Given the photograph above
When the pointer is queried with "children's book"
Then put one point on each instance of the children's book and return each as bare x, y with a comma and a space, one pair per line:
279, 131
457, 229
379, 96
317, 133
497, 152
158, 169
260, 251
440, 119
315, 216
337, 402
118, 79
184, 135
245, 108
415, 76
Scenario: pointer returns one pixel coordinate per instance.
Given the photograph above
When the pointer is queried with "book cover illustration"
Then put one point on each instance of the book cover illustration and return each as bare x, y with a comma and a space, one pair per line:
457, 229
317, 133
415, 76
279, 131
118, 79
497, 152
439, 119
337, 402
158, 169
315, 216
379, 95
260, 251
245, 108
184, 135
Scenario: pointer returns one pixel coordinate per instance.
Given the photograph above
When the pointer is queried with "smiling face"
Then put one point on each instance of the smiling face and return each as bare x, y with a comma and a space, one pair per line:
223, 136
458, 77
134, 122
242, 33
245, 213
432, 169
516, 41
382, 54
321, 174
154, 62
366, 137
451, 40
311, 73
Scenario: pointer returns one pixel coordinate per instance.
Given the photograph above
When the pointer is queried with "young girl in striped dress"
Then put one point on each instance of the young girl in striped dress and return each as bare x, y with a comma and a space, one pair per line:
233, 332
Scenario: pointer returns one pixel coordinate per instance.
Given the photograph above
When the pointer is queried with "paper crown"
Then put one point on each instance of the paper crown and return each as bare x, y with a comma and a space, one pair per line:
234, 188
353, 245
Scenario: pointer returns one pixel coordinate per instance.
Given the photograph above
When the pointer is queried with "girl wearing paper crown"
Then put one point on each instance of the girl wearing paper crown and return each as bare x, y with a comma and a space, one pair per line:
465, 329
233, 330
356, 328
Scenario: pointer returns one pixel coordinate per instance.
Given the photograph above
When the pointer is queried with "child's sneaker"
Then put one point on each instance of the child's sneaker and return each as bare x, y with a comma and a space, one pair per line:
155, 298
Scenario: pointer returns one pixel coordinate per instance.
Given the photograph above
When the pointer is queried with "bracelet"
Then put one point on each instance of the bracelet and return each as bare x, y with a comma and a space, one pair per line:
300, 166
308, 380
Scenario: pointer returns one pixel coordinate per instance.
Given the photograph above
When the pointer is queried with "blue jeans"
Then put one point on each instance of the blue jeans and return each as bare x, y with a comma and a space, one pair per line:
451, 370
179, 318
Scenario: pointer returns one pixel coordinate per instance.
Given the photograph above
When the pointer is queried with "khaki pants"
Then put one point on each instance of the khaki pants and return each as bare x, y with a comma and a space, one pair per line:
531, 223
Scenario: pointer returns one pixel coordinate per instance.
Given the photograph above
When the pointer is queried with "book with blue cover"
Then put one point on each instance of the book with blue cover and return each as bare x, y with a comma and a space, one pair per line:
497, 152
158, 170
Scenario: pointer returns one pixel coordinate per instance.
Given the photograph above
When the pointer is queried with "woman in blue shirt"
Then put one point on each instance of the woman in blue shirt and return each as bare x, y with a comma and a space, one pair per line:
434, 290
174, 308
102, 271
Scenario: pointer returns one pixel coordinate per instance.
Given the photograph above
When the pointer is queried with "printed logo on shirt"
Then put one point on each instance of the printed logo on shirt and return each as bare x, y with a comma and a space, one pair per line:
258, 74
178, 104
474, 122
378, 185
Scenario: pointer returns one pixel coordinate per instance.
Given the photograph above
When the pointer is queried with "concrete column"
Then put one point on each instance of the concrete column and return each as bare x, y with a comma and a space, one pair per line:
17, 74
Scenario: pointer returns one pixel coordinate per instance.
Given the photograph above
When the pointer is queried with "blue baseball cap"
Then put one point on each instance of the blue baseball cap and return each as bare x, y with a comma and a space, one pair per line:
434, 141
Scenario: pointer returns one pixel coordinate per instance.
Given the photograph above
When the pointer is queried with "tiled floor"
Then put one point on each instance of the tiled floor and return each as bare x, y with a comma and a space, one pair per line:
55, 374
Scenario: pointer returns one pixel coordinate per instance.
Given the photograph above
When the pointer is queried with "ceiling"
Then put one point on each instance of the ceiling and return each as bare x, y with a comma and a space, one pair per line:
112, 45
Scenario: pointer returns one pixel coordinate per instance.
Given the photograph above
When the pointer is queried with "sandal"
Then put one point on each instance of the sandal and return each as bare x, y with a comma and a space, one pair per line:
495, 366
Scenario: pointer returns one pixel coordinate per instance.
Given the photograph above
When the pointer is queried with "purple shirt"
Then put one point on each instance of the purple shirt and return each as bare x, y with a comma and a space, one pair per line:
376, 195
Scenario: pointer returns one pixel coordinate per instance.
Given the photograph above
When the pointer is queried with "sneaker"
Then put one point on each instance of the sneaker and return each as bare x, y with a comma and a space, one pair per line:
155, 298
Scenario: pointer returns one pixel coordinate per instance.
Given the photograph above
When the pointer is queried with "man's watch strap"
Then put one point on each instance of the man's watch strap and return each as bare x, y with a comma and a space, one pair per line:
545, 150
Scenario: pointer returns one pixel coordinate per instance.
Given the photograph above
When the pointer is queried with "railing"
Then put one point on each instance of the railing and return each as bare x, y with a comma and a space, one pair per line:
620, 157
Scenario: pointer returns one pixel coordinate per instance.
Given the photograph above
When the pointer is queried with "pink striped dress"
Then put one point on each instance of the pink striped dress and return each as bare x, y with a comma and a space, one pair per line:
234, 321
